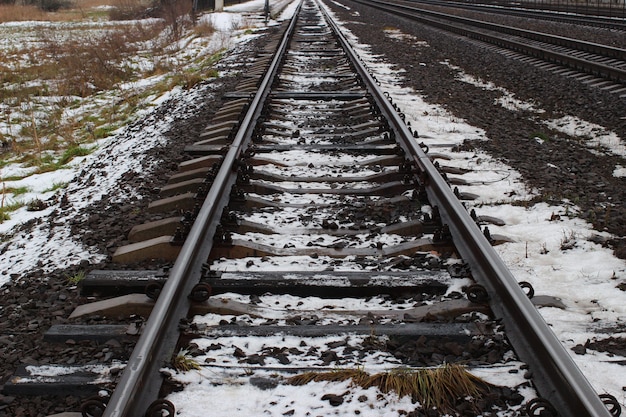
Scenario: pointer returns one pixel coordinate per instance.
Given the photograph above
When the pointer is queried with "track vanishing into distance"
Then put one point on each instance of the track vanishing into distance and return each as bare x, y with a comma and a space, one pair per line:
598, 65
308, 183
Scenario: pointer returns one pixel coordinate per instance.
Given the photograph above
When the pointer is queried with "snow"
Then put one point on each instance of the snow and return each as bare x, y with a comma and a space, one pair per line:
619, 171
113, 157
584, 275
297, 401
596, 137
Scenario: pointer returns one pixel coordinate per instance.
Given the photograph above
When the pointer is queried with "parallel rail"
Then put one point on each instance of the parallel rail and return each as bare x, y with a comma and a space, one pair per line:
556, 376
590, 64
139, 387
591, 9
573, 15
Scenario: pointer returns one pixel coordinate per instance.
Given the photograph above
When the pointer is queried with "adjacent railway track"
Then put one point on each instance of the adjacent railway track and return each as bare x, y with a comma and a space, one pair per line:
309, 183
573, 15
595, 64
593, 10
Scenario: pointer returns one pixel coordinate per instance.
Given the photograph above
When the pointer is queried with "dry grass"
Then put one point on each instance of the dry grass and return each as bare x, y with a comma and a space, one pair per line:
92, 4
21, 13
204, 28
439, 388
48, 78
183, 362
79, 9
93, 65
127, 9
60, 67
16, 13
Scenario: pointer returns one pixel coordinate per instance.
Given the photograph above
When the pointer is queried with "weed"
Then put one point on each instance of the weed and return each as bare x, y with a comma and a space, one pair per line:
127, 10
102, 132
16, 191
56, 186
204, 28
8, 208
569, 240
433, 388
174, 13
540, 135
36, 205
71, 152
183, 362
15, 12
76, 278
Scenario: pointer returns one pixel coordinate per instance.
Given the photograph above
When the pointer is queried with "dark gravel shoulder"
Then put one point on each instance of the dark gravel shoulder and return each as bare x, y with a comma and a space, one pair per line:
582, 177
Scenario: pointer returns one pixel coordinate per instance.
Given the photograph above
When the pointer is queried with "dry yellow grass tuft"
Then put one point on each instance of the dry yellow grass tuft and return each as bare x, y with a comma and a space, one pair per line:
439, 388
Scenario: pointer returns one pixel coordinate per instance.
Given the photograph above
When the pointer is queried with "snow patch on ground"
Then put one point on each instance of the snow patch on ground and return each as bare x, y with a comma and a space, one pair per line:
94, 177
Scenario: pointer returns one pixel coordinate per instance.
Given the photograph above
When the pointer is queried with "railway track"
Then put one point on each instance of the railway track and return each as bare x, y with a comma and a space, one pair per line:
574, 15
309, 184
592, 10
598, 65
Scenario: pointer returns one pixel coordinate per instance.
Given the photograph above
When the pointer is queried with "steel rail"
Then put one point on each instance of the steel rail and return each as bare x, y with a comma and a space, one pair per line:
555, 375
591, 47
594, 10
579, 64
140, 382
539, 14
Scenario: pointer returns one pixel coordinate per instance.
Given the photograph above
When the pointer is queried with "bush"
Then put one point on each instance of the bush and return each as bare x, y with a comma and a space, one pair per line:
54, 5
129, 10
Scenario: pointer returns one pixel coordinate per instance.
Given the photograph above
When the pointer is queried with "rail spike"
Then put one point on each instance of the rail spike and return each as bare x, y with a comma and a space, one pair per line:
528, 289
611, 404
540, 407
153, 289
161, 408
201, 292
478, 294
92, 407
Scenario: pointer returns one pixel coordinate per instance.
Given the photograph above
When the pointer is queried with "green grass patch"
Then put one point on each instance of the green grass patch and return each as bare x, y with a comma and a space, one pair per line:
16, 191
57, 186
543, 136
6, 209
14, 177
72, 152
103, 131
76, 278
